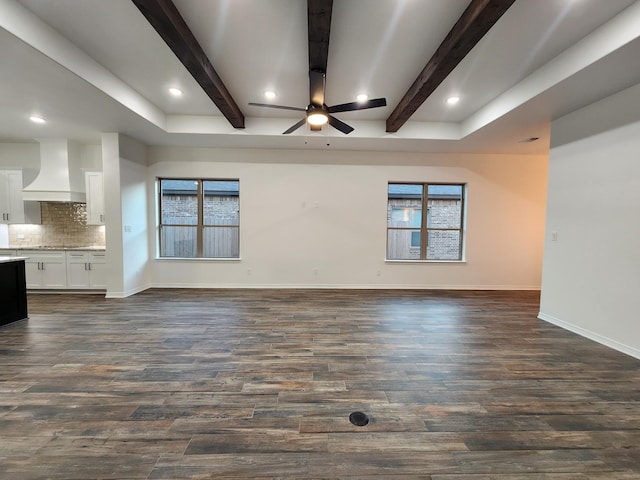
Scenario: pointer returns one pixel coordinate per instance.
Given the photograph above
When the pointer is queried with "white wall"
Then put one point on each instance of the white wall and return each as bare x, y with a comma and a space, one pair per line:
318, 219
26, 157
113, 214
133, 192
21, 156
127, 252
591, 274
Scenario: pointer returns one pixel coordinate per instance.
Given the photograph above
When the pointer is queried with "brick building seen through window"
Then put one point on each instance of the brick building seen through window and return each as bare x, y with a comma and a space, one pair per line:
199, 218
418, 233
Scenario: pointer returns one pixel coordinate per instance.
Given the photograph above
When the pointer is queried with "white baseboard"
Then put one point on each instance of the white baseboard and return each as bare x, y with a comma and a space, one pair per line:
596, 337
364, 286
310, 286
128, 293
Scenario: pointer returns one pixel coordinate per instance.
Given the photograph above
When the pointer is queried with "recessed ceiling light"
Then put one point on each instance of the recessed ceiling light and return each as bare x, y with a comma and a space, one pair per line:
270, 94
453, 100
36, 119
363, 97
176, 92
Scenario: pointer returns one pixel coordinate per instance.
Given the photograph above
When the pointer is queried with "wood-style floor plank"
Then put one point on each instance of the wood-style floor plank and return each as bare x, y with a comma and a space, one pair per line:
231, 384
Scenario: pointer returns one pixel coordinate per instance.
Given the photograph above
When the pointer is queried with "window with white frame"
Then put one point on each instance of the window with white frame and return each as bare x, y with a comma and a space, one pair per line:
425, 221
199, 218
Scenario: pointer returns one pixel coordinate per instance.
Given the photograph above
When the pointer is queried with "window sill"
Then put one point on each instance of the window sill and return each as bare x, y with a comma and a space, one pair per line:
199, 259
424, 261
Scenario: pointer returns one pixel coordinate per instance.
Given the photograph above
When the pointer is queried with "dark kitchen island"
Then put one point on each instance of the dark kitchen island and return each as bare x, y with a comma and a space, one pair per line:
13, 290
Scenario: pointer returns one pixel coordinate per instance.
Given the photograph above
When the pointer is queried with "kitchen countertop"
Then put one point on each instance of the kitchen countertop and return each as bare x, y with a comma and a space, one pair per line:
11, 259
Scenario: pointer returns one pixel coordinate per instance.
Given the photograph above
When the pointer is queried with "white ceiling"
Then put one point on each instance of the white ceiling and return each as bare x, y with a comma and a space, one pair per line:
96, 66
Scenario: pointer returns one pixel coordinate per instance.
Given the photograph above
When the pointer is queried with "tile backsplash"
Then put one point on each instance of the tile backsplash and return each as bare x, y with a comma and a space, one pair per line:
63, 225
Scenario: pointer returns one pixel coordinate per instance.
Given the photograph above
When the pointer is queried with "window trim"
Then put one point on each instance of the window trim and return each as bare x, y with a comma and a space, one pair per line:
200, 226
425, 229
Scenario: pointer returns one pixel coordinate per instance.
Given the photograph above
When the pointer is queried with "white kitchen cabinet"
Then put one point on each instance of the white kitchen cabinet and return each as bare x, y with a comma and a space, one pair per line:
95, 198
12, 207
7, 252
45, 269
11, 204
86, 270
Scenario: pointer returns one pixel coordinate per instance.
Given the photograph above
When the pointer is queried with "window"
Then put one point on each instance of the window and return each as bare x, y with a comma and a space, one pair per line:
425, 221
199, 218
415, 239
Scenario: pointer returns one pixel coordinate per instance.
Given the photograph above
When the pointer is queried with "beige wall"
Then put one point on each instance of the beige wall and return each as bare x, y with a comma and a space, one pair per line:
318, 218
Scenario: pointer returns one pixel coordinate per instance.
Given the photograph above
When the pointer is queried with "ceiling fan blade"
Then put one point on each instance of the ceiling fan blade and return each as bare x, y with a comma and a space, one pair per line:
293, 128
316, 87
348, 107
340, 125
281, 107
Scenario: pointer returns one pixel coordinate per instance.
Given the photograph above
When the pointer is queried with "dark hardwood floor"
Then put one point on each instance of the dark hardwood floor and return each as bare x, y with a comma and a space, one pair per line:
228, 384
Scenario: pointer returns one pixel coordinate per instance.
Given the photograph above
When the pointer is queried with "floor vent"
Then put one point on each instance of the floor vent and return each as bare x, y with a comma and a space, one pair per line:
358, 418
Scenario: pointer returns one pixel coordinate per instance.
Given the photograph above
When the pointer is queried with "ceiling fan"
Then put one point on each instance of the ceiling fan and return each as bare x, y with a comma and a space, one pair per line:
317, 113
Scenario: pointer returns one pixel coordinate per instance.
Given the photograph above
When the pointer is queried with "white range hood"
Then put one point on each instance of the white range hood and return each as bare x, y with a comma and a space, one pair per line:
61, 177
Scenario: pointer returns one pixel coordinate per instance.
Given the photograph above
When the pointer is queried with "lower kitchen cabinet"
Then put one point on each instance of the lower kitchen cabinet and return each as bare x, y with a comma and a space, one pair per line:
86, 270
45, 270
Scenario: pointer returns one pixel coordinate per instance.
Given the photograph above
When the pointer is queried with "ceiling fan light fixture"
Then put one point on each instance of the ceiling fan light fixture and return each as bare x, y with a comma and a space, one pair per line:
317, 117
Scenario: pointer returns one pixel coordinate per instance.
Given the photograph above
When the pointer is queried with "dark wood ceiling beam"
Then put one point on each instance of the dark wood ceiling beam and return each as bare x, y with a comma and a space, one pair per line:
165, 18
472, 25
319, 28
